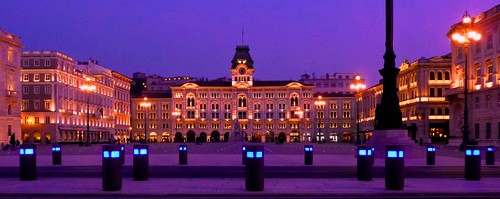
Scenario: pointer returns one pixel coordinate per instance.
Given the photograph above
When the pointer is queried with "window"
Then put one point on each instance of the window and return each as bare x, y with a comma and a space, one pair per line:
47, 62
478, 47
190, 102
242, 101
440, 92
446, 75
432, 112
333, 106
431, 92
347, 105
164, 115
203, 115
215, 115
47, 120
256, 116
25, 62
36, 89
256, 106
36, 104
26, 78
242, 115
164, 106
227, 106
281, 106
333, 114
27, 91
37, 120
47, 78
47, 90
46, 105
346, 114
489, 41
140, 115
25, 105
37, 62
440, 76
202, 106
488, 130
227, 115
320, 114
282, 115
190, 114
432, 76
487, 103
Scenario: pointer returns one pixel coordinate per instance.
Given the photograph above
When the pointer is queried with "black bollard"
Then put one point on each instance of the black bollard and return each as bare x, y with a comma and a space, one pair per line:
141, 162
394, 167
254, 168
472, 162
27, 162
111, 168
122, 153
183, 158
308, 154
364, 163
56, 155
490, 155
431, 155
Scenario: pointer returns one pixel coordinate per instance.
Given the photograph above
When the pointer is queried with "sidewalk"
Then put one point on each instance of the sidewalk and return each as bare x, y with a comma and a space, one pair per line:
236, 187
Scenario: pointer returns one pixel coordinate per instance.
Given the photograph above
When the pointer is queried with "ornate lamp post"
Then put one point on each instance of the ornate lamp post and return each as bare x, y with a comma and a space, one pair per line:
89, 89
300, 114
176, 114
464, 35
145, 104
357, 85
320, 104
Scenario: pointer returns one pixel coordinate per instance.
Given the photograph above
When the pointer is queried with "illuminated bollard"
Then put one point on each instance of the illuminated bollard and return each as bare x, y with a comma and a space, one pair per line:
308, 154
243, 154
472, 163
141, 162
27, 162
122, 153
183, 155
364, 163
111, 168
254, 168
431, 155
56, 155
490, 155
394, 167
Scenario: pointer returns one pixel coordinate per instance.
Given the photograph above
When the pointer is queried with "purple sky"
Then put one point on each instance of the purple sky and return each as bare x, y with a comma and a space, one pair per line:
197, 38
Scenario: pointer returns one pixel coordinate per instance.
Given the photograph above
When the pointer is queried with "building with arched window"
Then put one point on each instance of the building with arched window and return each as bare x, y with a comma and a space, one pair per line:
421, 87
10, 98
483, 81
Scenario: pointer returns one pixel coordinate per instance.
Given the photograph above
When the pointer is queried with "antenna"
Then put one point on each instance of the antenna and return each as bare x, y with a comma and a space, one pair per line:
242, 35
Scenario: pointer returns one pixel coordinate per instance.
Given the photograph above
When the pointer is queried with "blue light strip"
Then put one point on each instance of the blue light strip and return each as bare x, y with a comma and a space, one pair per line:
392, 154
362, 152
21, 151
476, 152
258, 154
250, 154
369, 152
105, 154
400, 154
144, 151
468, 152
490, 149
136, 151
115, 154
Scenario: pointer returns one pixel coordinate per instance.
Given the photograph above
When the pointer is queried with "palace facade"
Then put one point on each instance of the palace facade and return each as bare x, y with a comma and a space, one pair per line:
10, 98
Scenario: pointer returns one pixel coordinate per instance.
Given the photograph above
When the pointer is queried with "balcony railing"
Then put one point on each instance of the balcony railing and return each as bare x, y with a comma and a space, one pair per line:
11, 93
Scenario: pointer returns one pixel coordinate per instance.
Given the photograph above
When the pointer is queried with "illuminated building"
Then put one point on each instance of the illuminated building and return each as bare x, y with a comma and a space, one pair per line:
263, 110
422, 84
54, 105
10, 98
483, 66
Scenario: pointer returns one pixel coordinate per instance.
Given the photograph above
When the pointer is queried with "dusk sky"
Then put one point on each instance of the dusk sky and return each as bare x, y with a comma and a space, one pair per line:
198, 38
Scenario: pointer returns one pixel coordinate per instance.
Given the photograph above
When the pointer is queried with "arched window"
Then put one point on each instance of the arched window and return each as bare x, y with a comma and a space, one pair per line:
432, 111
190, 101
242, 101
440, 76
294, 100
432, 77
440, 111
446, 75
447, 111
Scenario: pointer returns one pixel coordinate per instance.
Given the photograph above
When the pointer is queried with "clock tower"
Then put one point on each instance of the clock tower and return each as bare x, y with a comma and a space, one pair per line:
242, 67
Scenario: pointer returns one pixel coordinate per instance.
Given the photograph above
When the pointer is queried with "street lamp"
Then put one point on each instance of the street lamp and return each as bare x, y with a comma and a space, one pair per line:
145, 104
300, 114
88, 88
357, 85
465, 35
176, 113
320, 104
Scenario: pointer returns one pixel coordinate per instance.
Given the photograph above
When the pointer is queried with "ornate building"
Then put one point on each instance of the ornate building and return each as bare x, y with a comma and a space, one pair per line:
422, 84
483, 81
10, 98
264, 110
54, 106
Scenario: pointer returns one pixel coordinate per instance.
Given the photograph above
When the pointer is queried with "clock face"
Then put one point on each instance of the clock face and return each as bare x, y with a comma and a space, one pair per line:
242, 71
